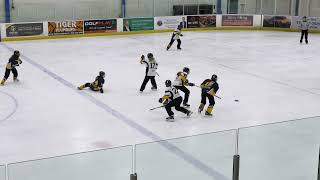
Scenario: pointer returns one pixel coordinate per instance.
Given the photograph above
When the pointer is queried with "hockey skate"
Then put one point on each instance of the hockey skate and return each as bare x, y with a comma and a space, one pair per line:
2, 82
153, 88
208, 114
186, 105
200, 108
16, 80
189, 113
170, 119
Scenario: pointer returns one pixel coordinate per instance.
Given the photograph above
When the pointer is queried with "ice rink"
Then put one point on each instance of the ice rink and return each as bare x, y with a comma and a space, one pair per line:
274, 78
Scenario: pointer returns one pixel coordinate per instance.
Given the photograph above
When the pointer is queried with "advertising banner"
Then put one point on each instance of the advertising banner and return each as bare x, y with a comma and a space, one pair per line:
169, 22
138, 24
237, 20
100, 26
201, 21
277, 21
24, 29
65, 27
314, 22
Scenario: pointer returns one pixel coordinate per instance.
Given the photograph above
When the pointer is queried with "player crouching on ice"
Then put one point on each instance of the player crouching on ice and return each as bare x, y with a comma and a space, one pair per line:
97, 85
209, 89
176, 36
151, 71
11, 66
181, 82
170, 99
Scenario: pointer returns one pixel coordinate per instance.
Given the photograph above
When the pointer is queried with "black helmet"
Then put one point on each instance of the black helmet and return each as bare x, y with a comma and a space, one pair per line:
214, 77
168, 83
102, 74
150, 55
16, 52
186, 70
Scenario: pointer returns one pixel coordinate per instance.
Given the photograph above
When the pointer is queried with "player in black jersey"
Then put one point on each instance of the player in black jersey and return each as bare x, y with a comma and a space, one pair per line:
11, 67
209, 88
97, 85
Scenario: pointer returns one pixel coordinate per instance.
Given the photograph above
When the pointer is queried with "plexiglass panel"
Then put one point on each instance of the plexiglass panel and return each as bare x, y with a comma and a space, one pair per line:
284, 151
48, 10
115, 164
139, 8
2, 173
204, 157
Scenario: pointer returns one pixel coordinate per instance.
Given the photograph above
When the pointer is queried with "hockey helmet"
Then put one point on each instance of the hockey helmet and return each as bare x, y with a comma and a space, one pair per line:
214, 77
150, 55
186, 70
16, 52
168, 83
102, 73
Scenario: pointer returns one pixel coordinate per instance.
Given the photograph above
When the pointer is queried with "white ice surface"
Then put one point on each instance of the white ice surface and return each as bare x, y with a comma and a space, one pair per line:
273, 77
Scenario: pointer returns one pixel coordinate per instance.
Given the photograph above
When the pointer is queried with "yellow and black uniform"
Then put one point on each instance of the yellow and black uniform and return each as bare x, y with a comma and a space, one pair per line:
175, 36
181, 82
171, 99
209, 88
11, 66
97, 85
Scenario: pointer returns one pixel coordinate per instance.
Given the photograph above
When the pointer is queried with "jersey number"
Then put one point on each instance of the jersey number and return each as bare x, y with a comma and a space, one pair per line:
153, 65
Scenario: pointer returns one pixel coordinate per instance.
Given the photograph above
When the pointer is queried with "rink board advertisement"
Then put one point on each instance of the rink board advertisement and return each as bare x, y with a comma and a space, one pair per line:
314, 22
65, 27
237, 20
169, 22
138, 24
277, 21
201, 21
24, 29
100, 26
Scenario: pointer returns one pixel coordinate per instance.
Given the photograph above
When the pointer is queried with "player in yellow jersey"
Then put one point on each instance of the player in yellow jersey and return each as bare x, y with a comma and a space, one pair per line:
14, 61
97, 85
209, 88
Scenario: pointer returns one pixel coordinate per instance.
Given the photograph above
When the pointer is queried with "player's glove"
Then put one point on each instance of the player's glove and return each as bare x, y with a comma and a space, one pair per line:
160, 100
191, 84
142, 57
181, 34
101, 90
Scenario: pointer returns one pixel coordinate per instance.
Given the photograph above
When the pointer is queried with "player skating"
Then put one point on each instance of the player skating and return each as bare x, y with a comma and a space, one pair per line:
181, 82
97, 85
171, 99
304, 27
11, 66
151, 71
176, 36
209, 88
